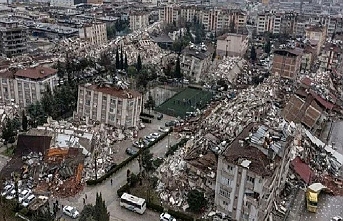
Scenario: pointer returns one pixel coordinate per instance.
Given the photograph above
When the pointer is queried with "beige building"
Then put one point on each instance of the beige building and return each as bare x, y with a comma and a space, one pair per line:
268, 22
26, 86
251, 173
94, 33
316, 35
139, 20
287, 63
109, 105
232, 44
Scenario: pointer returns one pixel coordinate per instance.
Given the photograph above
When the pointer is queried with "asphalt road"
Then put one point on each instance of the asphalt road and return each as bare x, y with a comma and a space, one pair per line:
109, 192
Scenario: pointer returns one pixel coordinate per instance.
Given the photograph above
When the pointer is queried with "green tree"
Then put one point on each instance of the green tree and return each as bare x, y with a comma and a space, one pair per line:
87, 212
139, 63
24, 121
125, 63
232, 26
147, 161
111, 31
267, 47
214, 55
43, 215
253, 54
121, 58
196, 200
36, 114
177, 72
150, 103
131, 71
47, 101
60, 70
98, 212
8, 130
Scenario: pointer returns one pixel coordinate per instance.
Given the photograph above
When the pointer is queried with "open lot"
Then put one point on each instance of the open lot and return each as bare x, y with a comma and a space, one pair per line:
188, 100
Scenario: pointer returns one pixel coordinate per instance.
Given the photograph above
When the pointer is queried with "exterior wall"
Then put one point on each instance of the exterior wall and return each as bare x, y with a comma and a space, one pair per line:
139, 21
235, 45
24, 91
286, 66
13, 40
62, 3
108, 109
193, 67
96, 33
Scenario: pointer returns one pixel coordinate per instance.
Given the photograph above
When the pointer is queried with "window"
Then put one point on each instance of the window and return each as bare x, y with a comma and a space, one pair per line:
225, 203
229, 168
224, 193
229, 182
250, 179
88, 102
104, 98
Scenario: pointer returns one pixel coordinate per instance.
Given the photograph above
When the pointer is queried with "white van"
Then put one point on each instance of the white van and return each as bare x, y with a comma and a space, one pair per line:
28, 200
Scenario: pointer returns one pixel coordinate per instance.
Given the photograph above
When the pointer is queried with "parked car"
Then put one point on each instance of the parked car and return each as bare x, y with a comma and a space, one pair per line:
130, 151
166, 217
28, 200
7, 189
24, 194
169, 124
138, 145
337, 218
155, 135
11, 195
160, 117
164, 129
149, 138
71, 212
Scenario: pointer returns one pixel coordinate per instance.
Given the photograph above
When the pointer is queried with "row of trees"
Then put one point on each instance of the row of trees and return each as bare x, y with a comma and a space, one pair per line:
97, 212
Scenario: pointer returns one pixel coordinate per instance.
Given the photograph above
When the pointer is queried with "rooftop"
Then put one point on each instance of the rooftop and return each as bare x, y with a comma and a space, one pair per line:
39, 72
256, 148
120, 93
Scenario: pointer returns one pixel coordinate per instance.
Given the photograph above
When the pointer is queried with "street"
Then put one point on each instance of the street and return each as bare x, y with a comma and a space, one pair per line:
109, 192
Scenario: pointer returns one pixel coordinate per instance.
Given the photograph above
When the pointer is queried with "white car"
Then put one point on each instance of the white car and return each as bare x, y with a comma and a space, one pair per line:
166, 217
138, 145
164, 129
11, 195
149, 138
28, 200
8, 188
71, 212
337, 218
155, 135
24, 194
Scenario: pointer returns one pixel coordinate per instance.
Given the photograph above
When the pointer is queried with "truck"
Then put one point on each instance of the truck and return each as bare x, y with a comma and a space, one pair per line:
311, 196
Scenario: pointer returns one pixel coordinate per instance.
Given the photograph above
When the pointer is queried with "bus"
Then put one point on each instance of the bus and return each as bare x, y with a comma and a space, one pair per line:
133, 203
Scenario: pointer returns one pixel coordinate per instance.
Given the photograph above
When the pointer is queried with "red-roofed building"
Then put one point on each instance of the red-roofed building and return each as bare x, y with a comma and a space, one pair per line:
26, 86
106, 104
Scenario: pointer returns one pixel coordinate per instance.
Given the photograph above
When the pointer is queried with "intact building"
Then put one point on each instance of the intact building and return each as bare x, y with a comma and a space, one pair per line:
139, 20
26, 86
232, 44
13, 38
251, 172
95, 33
287, 63
109, 105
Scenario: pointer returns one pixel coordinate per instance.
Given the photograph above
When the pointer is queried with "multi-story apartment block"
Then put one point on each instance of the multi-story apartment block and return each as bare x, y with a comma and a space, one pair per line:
109, 105
251, 172
95, 33
139, 20
232, 44
287, 63
26, 86
13, 38
316, 35
268, 22
169, 13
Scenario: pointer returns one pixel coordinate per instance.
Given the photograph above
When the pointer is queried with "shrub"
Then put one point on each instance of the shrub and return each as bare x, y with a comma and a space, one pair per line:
123, 189
173, 148
155, 207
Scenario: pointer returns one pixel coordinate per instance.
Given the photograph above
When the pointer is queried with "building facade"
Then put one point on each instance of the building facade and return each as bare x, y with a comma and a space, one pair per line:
13, 38
95, 33
139, 20
26, 86
116, 107
287, 63
231, 44
251, 173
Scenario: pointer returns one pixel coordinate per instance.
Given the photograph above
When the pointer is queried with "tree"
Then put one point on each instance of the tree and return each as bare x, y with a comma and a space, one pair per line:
253, 54
150, 103
147, 160
232, 26
125, 63
131, 71
139, 63
196, 200
60, 71
267, 47
98, 212
214, 55
117, 59
8, 130
47, 101
121, 58
43, 215
24, 121
36, 114
177, 72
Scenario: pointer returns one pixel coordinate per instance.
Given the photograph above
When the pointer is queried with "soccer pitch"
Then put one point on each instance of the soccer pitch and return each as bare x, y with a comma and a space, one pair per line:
187, 100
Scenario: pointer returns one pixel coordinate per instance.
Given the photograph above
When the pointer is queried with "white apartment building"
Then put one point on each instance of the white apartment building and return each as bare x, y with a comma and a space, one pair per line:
268, 22
109, 105
62, 3
139, 20
169, 13
251, 172
95, 33
232, 44
26, 86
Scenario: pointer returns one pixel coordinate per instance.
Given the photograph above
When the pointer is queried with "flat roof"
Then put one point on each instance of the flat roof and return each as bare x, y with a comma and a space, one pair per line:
120, 93
39, 72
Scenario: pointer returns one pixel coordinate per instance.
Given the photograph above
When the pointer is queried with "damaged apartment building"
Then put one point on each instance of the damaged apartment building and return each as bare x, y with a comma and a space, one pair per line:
252, 171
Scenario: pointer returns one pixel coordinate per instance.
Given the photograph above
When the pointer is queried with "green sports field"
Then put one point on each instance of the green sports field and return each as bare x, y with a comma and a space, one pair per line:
187, 100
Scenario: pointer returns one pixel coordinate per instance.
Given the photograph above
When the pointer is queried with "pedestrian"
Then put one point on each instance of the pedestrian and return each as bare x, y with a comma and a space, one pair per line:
111, 182
84, 201
86, 196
